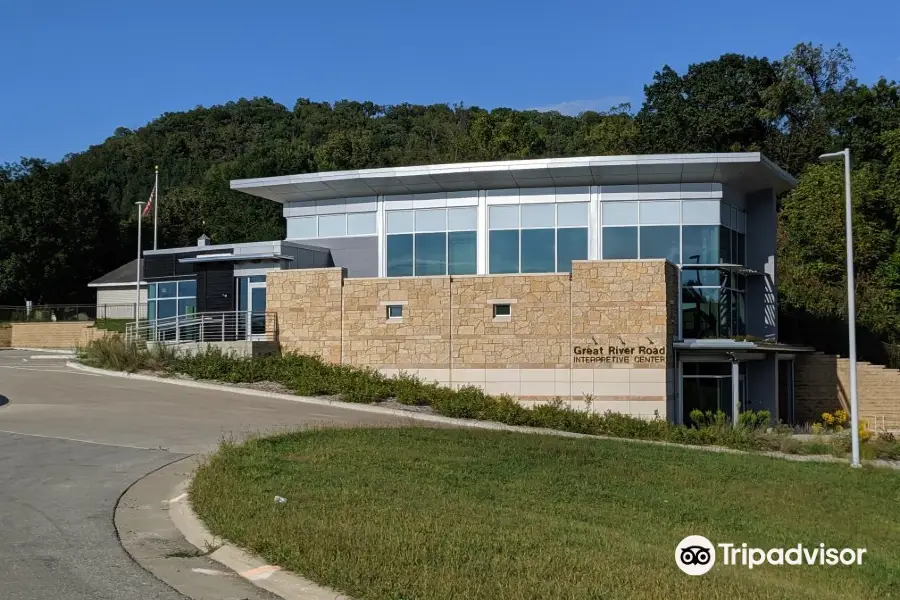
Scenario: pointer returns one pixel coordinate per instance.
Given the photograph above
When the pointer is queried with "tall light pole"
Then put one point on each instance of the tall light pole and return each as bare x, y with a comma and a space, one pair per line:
851, 303
137, 285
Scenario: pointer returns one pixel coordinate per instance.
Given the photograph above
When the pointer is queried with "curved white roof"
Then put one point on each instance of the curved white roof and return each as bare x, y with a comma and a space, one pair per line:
746, 171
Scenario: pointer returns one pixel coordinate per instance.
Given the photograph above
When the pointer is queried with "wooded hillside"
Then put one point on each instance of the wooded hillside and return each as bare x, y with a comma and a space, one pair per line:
63, 224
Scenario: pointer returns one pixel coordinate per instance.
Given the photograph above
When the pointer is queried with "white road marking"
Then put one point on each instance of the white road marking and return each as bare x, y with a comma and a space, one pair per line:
178, 498
66, 439
42, 370
208, 571
263, 572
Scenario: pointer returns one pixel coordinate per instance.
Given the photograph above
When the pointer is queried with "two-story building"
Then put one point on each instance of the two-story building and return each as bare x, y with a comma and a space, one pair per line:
640, 284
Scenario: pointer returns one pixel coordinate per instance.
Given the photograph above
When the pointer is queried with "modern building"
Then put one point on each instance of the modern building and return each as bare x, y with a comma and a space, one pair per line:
642, 284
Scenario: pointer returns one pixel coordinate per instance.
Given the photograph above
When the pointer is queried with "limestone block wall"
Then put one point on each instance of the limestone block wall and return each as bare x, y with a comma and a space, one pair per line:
822, 384
48, 335
600, 337
5, 336
516, 354
626, 311
419, 339
308, 305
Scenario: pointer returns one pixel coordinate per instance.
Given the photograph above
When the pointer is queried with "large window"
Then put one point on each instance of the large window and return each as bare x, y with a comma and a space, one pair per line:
329, 226
713, 303
166, 299
688, 232
537, 238
432, 241
641, 230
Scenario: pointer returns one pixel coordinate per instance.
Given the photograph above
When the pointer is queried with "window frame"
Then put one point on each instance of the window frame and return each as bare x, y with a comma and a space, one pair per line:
556, 227
502, 310
447, 230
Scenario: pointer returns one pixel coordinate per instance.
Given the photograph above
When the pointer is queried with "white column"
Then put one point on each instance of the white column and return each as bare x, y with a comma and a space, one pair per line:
380, 228
481, 237
594, 224
735, 391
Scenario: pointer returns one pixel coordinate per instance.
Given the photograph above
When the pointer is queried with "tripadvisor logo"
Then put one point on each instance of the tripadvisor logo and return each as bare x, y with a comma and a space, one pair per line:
696, 555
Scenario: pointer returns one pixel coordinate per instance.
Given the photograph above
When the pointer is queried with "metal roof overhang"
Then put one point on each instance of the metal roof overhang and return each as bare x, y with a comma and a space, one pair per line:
234, 258
731, 268
746, 171
723, 346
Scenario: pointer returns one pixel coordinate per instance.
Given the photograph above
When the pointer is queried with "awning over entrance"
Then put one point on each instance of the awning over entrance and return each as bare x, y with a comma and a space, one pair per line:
738, 348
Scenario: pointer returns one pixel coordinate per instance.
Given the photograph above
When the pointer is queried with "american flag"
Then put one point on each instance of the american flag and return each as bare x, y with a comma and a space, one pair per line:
150, 201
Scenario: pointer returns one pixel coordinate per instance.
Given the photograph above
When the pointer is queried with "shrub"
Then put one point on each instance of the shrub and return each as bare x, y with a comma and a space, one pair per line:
310, 376
754, 420
113, 352
708, 419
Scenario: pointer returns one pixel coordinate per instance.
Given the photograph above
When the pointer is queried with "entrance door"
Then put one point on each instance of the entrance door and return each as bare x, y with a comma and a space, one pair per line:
257, 309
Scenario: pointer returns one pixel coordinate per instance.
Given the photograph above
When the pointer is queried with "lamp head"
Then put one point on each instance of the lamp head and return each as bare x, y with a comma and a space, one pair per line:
833, 155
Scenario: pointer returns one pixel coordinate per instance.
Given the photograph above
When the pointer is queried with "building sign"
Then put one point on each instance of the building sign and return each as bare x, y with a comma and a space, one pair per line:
619, 354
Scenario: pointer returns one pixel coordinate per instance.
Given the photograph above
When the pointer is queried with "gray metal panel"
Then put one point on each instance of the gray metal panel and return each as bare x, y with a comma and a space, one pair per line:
762, 295
359, 255
306, 256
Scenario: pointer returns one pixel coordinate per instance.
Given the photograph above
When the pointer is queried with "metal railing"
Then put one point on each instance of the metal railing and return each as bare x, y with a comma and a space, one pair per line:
68, 312
231, 326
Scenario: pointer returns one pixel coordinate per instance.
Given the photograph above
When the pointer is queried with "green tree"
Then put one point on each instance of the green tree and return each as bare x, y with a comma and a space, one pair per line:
716, 106
53, 233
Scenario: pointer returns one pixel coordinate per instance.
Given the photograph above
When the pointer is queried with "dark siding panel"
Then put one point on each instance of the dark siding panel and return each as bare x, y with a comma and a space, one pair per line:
215, 287
157, 267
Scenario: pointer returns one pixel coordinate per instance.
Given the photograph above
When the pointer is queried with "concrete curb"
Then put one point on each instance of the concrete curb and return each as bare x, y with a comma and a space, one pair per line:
366, 408
467, 423
48, 350
271, 578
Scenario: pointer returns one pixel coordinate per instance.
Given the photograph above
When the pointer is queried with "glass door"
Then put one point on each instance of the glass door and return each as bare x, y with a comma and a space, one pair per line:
257, 309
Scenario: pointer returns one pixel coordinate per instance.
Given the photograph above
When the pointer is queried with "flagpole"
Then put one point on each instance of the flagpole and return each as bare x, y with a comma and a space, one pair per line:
155, 206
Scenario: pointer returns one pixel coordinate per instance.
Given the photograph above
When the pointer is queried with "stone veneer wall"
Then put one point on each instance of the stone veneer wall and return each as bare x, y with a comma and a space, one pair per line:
420, 339
449, 334
822, 384
61, 335
308, 304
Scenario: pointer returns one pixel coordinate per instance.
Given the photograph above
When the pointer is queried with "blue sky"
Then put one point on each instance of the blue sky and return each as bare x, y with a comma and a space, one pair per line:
74, 71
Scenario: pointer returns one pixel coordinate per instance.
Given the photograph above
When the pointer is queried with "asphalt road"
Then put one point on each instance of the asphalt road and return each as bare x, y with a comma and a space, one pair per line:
71, 443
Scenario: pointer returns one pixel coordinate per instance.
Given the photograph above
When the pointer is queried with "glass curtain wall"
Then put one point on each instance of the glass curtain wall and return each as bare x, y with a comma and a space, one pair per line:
431, 241
537, 238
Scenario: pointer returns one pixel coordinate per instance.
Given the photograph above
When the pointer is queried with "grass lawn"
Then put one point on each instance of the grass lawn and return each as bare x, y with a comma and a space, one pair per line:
115, 325
422, 514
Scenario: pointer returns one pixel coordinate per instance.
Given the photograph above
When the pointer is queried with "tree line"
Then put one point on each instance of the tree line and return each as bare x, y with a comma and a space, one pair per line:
65, 223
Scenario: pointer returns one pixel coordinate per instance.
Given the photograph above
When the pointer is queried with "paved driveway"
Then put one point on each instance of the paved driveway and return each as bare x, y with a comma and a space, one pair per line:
71, 443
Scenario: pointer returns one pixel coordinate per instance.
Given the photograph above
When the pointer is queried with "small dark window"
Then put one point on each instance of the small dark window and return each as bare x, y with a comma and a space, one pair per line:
395, 311
502, 310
